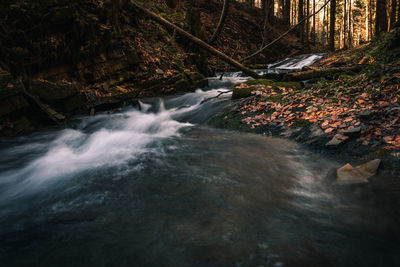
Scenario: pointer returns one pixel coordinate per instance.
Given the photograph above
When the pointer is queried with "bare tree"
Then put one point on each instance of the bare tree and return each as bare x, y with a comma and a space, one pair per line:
221, 22
332, 24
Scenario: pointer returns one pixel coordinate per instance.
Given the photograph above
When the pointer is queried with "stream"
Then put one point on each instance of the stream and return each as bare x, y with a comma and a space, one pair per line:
158, 186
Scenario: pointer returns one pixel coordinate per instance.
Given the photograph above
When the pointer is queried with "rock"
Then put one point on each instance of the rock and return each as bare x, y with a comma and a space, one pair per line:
12, 104
348, 175
52, 92
337, 140
370, 168
316, 131
160, 72
353, 132
331, 176
366, 114
92, 112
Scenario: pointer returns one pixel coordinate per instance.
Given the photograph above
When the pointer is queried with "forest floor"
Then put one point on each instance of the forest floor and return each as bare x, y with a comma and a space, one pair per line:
84, 56
352, 117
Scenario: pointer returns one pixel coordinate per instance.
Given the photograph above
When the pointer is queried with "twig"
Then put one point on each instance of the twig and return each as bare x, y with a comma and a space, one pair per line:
208, 99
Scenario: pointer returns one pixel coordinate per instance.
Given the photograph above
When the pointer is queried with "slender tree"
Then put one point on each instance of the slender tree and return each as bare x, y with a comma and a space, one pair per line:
393, 13
221, 22
332, 25
301, 17
350, 25
381, 22
286, 12
314, 24
308, 22
398, 11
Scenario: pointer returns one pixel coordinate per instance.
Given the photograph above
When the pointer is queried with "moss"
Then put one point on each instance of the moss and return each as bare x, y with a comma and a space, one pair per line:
241, 92
345, 76
379, 153
293, 85
260, 81
246, 92
301, 123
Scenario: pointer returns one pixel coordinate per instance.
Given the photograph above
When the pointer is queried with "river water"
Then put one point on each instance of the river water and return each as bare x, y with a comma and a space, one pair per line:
158, 186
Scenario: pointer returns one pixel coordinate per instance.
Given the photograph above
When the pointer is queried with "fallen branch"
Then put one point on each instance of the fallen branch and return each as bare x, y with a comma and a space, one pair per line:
195, 40
320, 72
284, 34
208, 99
51, 113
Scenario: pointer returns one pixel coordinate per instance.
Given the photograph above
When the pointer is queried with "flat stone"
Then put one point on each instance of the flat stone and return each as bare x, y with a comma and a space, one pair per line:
366, 114
348, 175
370, 168
336, 141
353, 132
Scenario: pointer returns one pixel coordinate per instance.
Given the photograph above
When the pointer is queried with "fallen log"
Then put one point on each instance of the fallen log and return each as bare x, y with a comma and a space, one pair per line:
195, 40
320, 72
51, 113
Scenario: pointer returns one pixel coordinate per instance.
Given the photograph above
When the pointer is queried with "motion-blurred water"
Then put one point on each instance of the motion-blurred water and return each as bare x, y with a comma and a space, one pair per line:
156, 186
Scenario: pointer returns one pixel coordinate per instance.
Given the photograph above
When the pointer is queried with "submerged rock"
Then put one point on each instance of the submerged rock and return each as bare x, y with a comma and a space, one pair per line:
348, 175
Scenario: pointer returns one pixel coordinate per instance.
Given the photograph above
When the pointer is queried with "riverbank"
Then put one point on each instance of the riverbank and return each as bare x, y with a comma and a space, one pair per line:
352, 117
87, 56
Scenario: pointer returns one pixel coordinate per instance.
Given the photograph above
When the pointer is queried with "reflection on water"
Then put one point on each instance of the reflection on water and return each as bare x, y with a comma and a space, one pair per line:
158, 187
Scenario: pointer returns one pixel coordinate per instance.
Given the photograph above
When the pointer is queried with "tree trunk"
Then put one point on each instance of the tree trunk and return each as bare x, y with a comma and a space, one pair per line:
350, 36
332, 24
381, 22
221, 21
345, 24
195, 40
393, 13
301, 17
398, 12
287, 12
308, 23
314, 31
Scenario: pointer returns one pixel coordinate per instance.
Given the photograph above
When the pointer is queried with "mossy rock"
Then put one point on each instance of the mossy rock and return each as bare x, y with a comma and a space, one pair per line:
260, 81
246, 92
241, 92
293, 85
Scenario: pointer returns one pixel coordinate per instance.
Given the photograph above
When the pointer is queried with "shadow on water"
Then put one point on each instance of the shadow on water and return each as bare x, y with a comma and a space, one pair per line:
158, 187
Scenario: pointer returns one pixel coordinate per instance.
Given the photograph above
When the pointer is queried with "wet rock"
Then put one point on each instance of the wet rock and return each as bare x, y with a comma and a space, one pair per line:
353, 132
336, 141
348, 175
316, 131
331, 176
366, 114
370, 168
